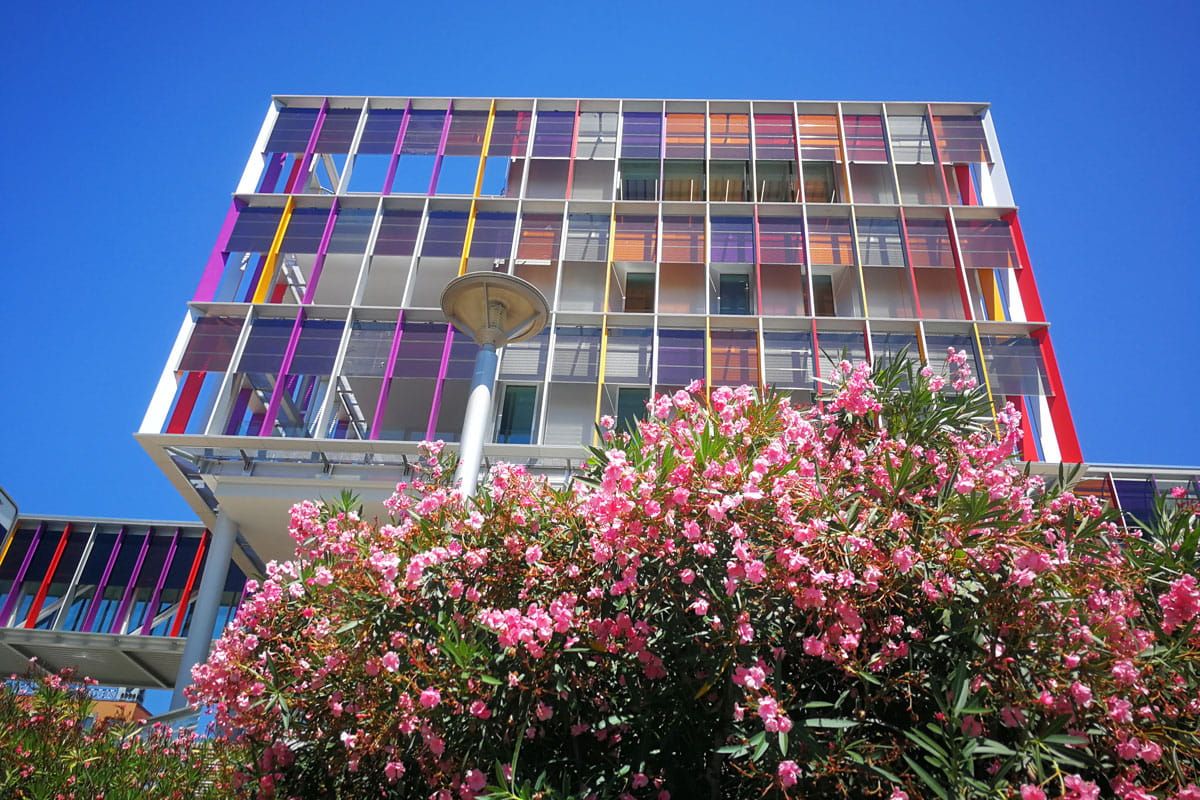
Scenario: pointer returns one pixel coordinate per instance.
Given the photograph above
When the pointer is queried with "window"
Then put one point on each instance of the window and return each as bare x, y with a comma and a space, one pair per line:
734, 294
823, 296
631, 407
639, 292
515, 425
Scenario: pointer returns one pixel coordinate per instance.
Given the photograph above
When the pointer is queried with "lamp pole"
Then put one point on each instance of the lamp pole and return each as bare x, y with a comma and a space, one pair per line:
494, 309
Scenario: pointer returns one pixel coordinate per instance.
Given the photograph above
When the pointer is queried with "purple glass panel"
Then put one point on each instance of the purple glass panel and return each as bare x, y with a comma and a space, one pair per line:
466, 133
864, 137
292, 130
680, 356
929, 243
781, 240
337, 132
493, 234
265, 345
424, 132
255, 229
118, 623
379, 134
398, 232
552, 137
733, 240
318, 346
444, 234
642, 136
102, 585
351, 230
211, 345
461, 363
510, 134
304, 230
419, 353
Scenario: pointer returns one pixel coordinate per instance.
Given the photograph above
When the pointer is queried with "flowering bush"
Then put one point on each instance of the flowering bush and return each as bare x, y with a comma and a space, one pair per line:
50, 747
739, 599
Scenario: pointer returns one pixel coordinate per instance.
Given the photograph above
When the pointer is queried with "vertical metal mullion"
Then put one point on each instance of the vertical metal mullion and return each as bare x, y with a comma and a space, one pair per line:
355, 140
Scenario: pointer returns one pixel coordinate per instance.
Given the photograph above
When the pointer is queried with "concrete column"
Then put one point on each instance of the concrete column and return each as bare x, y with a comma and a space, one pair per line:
475, 421
208, 602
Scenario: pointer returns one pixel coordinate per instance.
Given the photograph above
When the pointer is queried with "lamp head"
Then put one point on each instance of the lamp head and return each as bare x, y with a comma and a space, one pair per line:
495, 308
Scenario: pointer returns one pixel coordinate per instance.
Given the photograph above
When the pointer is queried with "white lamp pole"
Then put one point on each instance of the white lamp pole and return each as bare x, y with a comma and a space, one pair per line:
494, 309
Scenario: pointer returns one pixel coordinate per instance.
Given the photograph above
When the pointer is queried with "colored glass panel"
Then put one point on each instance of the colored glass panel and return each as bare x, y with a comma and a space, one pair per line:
830, 242
929, 243
642, 134
732, 240
685, 135
819, 138
774, 136
540, 236
864, 137
637, 238
961, 139
683, 239
552, 135
730, 136
680, 356
211, 346
493, 234
293, 128
337, 131
986, 244
398, 232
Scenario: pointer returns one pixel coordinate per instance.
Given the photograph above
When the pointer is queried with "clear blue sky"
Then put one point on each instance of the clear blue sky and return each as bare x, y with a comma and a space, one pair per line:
125, 130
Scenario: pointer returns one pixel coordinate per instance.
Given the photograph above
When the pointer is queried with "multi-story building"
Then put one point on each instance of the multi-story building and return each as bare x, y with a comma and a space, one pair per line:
739, 242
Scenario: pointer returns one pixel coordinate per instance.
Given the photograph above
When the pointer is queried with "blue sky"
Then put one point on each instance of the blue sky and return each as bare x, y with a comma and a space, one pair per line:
127, 127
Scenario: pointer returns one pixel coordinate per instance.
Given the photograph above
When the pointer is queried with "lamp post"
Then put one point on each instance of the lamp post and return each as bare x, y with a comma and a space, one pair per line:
494, 309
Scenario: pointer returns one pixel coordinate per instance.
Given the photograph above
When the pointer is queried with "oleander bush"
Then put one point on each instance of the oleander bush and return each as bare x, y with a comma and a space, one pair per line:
51, 747
739, 599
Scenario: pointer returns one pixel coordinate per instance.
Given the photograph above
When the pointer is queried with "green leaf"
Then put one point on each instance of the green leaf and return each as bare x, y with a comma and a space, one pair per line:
928, 779
829, 722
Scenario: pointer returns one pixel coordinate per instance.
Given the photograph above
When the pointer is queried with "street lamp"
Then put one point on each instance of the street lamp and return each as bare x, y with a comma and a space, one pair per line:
494, 309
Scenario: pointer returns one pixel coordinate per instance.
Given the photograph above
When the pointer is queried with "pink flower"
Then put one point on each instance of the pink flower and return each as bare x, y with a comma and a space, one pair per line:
533, 554
543, 711
904, 559
898, 794
393, 771
390, 661
1079, 789
1081, 694
971, 726
789, 773
430, 698
1180, 603
475, 780
479, 709
1031, 792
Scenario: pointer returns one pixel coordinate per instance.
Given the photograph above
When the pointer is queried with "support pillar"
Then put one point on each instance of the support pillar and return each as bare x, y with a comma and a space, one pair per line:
475, 421
208, 601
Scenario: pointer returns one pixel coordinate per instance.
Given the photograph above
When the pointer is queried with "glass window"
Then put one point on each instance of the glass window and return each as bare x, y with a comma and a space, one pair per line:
552, 135
639, 292
730, 136
642, 137
733, 293
631, 407
515, 425
864, 137
910, 139
819, 138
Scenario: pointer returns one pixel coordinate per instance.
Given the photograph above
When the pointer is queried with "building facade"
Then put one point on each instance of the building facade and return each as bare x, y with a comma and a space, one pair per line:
737, 242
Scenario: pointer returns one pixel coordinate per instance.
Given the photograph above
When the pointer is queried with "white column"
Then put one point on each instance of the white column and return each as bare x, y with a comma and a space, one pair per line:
475, 421
208, 601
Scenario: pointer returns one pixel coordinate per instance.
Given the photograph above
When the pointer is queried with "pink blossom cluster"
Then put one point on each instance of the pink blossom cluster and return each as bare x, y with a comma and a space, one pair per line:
741, 572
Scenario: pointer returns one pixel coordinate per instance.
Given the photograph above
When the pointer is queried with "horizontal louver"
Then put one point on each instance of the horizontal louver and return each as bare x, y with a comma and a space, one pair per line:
788, 358
212, 343
587, 237
368, 349
627, 359
293, 128
879, 242
398, 232
254, 230
576, 354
